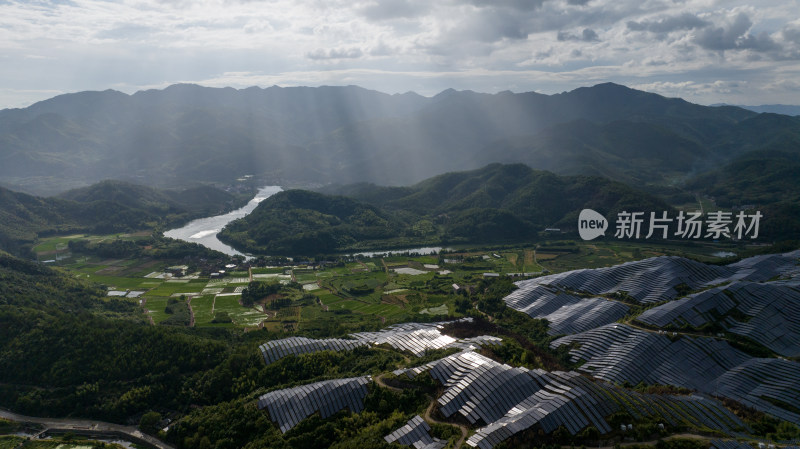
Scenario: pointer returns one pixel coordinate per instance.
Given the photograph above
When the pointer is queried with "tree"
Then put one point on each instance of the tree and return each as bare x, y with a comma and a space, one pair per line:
149, 422
257, 290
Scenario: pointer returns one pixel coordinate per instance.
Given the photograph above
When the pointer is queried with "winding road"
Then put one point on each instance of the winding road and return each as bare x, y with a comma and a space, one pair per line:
427, 417
88, 427
462, 427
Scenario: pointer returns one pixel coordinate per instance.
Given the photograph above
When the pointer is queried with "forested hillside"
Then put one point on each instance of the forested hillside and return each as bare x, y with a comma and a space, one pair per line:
498, 203
105, 208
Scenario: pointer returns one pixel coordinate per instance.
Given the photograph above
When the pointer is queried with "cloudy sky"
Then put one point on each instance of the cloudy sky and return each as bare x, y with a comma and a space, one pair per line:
706, 51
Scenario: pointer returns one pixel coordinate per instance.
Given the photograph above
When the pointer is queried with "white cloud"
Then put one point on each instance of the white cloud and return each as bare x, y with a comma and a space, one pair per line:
401, 45
667, 24
336, 53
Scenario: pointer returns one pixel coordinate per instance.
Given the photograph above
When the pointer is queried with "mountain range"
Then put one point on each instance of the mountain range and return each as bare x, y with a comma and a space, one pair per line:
785, 109
300, 135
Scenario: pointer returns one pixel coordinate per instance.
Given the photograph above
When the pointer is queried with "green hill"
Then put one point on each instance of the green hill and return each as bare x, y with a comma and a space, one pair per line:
768, 181
756, 178
303, 222
498, 203
30, 285
103, 208
161, 203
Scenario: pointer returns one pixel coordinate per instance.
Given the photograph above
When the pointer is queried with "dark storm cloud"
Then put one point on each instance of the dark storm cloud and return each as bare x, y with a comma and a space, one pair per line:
588, 35
722, 38
761, 43
735, 37
668, 24
493, 25
791, 34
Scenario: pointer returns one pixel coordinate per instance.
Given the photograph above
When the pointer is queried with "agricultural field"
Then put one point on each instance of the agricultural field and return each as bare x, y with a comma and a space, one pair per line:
355, 293
241, 316
269, 270
178, 287
155, 307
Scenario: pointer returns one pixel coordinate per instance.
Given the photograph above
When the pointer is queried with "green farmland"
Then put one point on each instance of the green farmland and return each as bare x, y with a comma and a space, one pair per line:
357, 294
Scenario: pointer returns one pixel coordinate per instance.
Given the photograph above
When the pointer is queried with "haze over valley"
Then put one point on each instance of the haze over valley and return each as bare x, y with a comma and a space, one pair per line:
188, 133
389, 224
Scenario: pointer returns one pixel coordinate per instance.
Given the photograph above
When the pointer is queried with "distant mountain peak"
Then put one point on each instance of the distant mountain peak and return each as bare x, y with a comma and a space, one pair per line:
446, 93
784, 109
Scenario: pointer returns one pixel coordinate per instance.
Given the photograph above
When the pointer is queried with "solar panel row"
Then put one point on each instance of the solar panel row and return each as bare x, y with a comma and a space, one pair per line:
566, 314
655, 280
416, 338
620, 353
508, 400
278, 349
729, 444
647, 281
773, 311
415, 433
290, 406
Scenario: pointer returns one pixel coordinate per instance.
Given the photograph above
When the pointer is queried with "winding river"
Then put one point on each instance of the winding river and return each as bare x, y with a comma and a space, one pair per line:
204, 230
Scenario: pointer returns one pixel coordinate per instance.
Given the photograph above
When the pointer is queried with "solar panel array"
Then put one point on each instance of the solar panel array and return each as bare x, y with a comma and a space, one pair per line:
764, 384
551, 410
416, 338
508, 400
762, 268
416, 433
479, 388
729, 444
733, 444
647, 281
277, 349
290, 406
654, 280
773, 310
620, 353
566, 314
